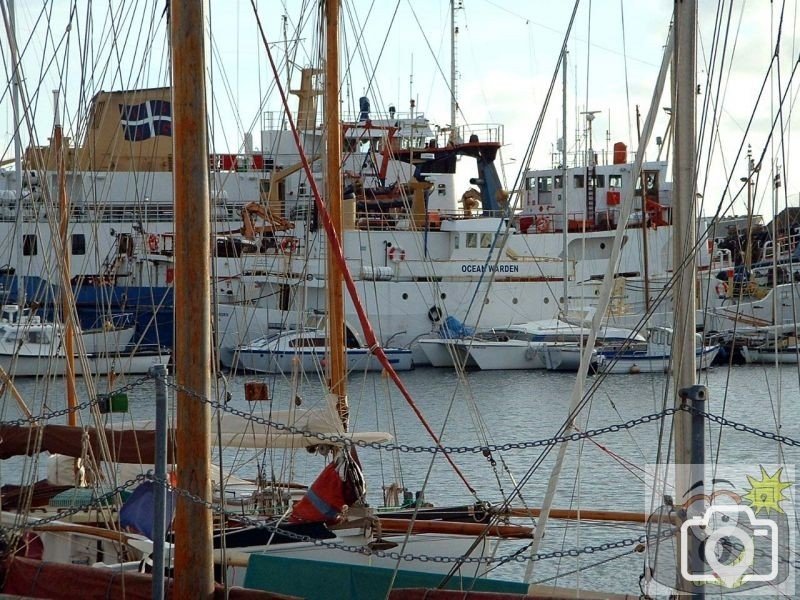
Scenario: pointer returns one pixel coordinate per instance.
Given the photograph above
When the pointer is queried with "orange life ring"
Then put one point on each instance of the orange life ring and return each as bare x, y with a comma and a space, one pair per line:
396, 254
542, 226
152, 242
722, 289
289, 245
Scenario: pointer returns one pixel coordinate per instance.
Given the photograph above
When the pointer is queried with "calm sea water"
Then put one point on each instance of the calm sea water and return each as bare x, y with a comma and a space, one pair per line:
511, 407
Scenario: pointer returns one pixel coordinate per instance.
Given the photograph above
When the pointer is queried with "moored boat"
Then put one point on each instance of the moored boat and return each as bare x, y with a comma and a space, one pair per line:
654, 355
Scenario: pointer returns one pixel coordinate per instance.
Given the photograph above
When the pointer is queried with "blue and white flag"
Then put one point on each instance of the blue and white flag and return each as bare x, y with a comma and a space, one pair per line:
146, 120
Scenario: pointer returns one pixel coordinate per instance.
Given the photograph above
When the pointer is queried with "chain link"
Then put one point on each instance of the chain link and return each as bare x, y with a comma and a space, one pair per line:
489, 560
99, 502
35, 419
484, 449
769, 435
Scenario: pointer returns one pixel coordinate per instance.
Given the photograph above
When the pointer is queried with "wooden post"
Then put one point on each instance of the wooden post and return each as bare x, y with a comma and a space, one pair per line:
193, 521
684, 224
66, 290
333, 192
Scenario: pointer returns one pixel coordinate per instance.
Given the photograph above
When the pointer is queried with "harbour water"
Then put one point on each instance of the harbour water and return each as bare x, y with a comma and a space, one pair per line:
516, 409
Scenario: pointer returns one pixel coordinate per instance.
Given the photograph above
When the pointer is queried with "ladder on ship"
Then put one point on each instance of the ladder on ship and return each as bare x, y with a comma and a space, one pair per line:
591, 193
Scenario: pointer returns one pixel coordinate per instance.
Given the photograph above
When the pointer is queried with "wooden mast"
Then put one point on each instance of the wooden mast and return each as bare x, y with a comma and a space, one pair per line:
688, 474
66, 304
337, 371
193, 520
684, 224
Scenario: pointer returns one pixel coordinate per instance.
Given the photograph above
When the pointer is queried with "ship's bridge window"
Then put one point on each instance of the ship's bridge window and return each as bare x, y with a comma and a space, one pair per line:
545, 184
557, 182
78, 244
529, 183
472, 240
30, 245
615, 181
577, 181
599, 181
486, 240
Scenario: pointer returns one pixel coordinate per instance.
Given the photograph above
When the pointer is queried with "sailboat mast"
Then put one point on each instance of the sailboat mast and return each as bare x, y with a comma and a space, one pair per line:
687, 475
193, 525
684, 90
565, 228
333, 189
66, 305
17, 248
453, 55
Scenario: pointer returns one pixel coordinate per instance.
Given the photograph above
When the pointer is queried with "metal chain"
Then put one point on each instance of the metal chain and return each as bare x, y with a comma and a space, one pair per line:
769, 435
35, 419
516, 557
485, 449
99, 502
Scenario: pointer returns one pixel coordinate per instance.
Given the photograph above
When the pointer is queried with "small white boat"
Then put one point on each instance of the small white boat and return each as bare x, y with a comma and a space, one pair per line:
653, 355
514, 350
444, 352
304, 349
552, 344
31, 347
785, 350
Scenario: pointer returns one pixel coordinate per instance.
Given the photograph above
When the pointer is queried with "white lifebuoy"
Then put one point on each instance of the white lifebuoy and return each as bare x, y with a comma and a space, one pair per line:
290, 245
152, 242
396, 254
722, 289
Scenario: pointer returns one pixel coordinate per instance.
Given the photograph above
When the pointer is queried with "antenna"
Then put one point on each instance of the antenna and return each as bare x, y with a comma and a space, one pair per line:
589, 114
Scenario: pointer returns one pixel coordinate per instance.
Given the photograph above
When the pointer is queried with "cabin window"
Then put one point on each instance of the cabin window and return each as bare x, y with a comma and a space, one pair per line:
228, 247
457, 241
545, 184
600, 181
472, 240
615, 181
530, 183
577, 181
557, 182
309, 342
37, 337
30, 245
486, 240
78, 244
302, 189
126, 245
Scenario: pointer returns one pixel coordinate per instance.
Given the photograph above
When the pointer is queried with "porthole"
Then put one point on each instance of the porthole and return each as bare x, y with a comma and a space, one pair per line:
405, 296
602, 245
514, 301
547, 300
443, 296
